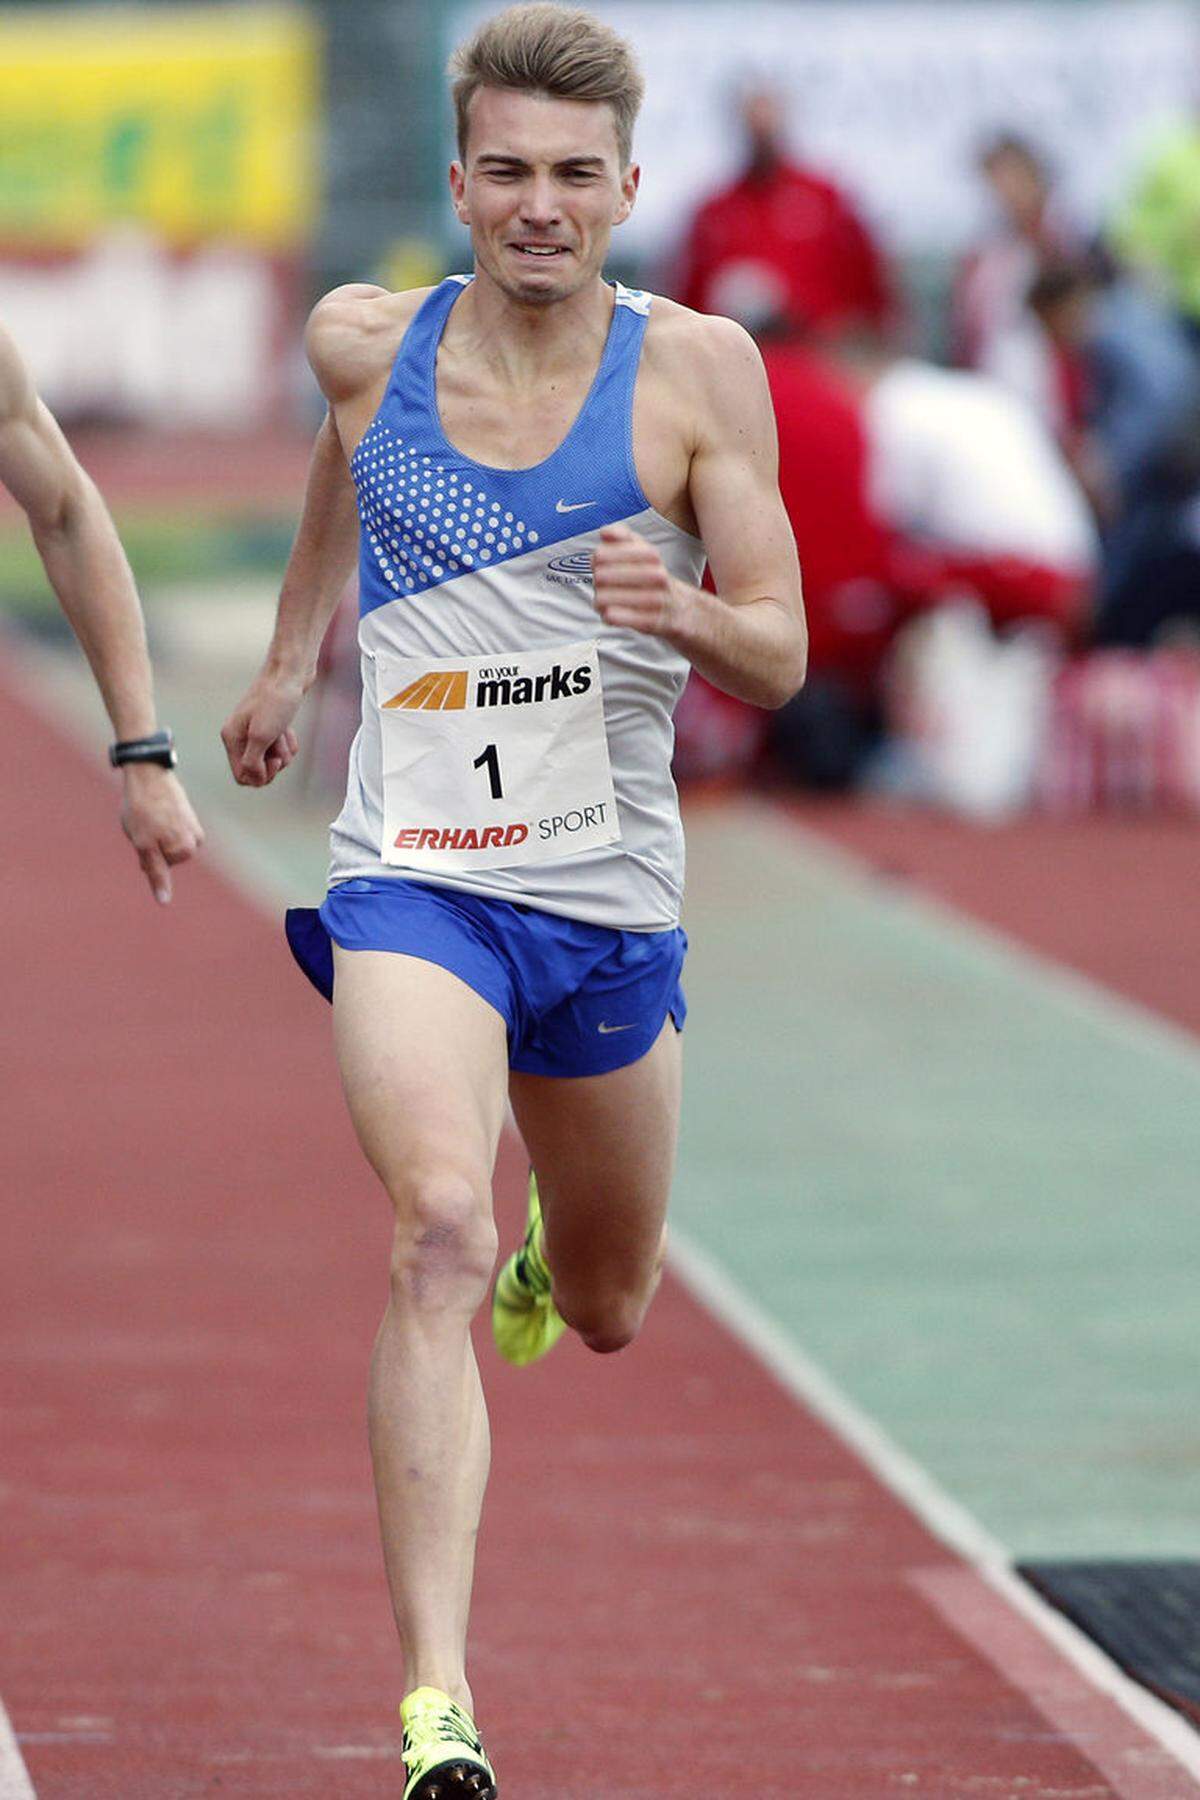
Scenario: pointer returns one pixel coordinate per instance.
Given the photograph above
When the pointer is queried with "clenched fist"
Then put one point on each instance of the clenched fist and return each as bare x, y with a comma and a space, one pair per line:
634, 588
258, 736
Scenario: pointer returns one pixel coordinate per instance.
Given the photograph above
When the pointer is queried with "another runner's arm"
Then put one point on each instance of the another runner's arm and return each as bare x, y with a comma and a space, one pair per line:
749, 638
89, 572
258, 735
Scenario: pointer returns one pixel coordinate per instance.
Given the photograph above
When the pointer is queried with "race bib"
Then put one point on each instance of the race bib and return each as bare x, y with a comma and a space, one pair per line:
493, 760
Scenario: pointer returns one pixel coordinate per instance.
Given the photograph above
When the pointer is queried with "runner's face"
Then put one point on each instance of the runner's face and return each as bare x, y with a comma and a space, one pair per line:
541, 191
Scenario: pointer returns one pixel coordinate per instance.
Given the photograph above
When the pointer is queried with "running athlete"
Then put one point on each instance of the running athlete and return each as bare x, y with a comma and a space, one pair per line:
540, 462
87, 569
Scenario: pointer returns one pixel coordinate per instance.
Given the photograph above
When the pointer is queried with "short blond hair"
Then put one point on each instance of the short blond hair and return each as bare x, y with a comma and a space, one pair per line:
547, 49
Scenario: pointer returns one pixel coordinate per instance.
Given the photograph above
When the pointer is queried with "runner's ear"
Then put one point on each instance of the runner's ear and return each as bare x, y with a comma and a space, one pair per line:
458, 191
630, 181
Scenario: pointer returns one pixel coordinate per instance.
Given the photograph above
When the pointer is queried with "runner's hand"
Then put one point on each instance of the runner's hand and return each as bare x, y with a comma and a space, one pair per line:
157, 818
634, 588
258, 736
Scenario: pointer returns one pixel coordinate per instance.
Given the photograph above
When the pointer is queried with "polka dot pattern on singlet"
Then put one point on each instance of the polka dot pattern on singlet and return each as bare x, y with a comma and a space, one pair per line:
427, 521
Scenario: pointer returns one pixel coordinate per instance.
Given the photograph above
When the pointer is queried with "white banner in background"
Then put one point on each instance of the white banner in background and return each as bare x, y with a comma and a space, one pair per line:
893, 98
126, 331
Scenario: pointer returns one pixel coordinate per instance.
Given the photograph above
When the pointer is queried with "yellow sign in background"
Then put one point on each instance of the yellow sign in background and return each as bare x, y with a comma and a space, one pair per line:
196, 123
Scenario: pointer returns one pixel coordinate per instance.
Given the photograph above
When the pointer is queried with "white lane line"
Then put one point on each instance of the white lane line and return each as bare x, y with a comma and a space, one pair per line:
1135, 1767
14, 1776
945, 1517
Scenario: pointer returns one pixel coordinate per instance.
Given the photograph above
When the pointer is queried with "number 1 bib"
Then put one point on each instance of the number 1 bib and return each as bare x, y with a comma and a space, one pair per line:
493, 760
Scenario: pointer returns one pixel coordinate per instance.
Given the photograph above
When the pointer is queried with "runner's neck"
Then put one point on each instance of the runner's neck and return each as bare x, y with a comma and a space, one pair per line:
523, 346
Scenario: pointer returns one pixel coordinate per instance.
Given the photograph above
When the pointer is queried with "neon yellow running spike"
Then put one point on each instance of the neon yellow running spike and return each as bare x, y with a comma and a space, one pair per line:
525, 1321
443, 1752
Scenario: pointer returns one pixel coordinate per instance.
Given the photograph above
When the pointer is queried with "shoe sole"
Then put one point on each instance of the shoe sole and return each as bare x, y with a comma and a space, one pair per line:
455, 1781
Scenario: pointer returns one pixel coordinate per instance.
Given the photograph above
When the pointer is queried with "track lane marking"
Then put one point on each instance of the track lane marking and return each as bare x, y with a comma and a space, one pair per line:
1028, 1661
14, 1776
944, 1516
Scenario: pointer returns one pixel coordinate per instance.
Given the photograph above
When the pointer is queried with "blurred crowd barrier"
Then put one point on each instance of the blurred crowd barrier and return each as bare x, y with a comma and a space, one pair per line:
128, 331
989, 726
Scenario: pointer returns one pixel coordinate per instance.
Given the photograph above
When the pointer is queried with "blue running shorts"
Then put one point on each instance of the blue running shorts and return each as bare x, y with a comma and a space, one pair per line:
578, 999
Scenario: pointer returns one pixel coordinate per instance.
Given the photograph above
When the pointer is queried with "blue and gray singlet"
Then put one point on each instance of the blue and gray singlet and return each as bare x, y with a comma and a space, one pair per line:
501, 717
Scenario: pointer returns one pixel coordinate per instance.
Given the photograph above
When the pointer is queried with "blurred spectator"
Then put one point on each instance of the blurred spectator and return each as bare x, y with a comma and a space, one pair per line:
1145, 403
963, 470
1152, 588
1108, 370
824, 736
1046, 359
906, 486
824, 481
1039, 356
975, 484
992, 285
1158, 227
1143, 378
782, 241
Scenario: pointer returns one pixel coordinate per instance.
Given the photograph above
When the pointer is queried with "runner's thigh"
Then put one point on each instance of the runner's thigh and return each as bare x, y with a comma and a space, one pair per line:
604, 1150
424, 1063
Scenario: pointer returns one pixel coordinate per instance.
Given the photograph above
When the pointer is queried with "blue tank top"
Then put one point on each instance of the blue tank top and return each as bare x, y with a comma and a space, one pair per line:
460, 559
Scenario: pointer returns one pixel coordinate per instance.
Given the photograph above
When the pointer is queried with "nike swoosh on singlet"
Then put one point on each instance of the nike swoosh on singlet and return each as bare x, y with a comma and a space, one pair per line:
605, 1029
574, 506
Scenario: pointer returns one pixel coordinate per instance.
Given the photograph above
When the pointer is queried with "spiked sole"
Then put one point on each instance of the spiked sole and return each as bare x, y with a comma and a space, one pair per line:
455, 1781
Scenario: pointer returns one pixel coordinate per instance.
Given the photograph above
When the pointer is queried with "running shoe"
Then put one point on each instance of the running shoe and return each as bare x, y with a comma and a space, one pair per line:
525, 1321
443, 1753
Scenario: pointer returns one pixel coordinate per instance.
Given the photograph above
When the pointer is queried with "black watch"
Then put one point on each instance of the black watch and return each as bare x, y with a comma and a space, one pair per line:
158, 748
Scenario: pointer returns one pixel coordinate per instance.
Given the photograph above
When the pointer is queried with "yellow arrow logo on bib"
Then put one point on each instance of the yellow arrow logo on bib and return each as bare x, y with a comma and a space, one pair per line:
443, 690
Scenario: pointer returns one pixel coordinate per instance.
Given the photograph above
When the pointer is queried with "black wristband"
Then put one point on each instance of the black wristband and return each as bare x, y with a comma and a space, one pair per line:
159, 748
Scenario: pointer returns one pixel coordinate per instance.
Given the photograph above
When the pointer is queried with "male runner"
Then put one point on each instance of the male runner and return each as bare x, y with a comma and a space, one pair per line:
87, 569
535, 456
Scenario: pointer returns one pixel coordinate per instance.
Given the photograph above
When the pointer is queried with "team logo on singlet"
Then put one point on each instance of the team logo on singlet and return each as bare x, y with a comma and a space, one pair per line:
573, 570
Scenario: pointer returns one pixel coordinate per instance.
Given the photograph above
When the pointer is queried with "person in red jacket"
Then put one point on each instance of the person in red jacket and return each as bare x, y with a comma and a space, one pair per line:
853, 602
782, 241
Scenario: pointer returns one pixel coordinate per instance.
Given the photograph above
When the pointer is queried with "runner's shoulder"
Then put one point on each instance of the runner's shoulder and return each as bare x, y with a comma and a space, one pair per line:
701, 353
354, 332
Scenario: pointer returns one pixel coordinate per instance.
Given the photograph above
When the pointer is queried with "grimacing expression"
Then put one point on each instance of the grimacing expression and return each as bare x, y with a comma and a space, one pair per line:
541, 189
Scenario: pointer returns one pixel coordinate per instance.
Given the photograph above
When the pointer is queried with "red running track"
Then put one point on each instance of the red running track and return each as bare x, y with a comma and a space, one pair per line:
687, 1585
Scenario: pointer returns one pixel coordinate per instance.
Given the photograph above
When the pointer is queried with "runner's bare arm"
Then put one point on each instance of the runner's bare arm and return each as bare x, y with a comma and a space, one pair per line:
258, 736
749, 638
343, 342
88, 570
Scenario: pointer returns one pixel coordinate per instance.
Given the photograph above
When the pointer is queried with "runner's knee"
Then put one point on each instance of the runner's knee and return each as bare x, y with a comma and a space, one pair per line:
444, 1244
607, 1310
606, 1322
